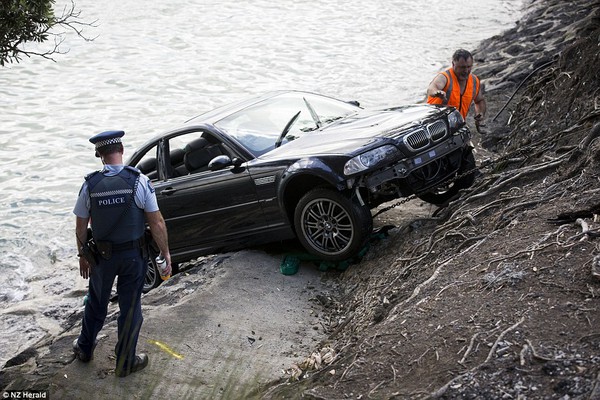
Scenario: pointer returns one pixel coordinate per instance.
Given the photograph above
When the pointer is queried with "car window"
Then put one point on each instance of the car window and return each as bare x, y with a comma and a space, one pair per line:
259, 127
191, 153
148, 164
179, 142
329, 109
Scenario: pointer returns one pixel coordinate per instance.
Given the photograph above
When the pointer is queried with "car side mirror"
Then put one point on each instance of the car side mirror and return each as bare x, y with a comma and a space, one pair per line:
219, 162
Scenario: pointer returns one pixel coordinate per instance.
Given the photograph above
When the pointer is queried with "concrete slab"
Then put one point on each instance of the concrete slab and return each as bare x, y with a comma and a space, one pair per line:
220, 331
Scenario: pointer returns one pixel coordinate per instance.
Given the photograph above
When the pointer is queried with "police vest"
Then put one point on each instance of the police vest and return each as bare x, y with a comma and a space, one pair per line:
115, 216
454, 98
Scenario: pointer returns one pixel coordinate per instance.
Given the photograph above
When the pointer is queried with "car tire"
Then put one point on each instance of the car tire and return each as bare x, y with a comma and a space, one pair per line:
445, 194
152, 278
332, 226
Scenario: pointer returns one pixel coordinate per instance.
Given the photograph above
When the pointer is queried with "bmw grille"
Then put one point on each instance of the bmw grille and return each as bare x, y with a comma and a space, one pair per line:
423, 137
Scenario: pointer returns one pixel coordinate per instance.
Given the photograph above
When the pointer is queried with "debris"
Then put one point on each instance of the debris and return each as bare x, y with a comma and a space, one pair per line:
315, 361
596, 267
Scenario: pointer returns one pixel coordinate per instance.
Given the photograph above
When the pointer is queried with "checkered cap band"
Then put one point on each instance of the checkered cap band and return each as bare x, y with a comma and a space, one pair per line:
106, 142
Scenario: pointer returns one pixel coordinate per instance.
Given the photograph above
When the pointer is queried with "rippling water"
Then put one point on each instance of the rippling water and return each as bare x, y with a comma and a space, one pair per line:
153, 65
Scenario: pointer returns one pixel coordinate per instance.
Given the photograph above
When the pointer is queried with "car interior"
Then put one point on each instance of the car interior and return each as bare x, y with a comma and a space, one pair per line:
198, 154
148, 167
186, 157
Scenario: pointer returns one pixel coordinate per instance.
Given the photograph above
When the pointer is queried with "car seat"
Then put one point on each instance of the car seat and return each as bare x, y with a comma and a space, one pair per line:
197, 156
177, 165
198, 153
148, 168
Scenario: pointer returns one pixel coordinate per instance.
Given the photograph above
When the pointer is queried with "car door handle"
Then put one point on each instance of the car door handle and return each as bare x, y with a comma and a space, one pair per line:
168, 191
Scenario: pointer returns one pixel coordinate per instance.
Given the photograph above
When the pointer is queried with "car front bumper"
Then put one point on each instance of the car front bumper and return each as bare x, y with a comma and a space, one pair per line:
403, 168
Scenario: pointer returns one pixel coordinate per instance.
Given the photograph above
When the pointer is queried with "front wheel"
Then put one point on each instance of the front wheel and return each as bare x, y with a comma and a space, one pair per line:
331, 226
444, 194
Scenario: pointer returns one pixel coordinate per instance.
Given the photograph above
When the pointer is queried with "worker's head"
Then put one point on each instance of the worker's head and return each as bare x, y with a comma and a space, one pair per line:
462, 63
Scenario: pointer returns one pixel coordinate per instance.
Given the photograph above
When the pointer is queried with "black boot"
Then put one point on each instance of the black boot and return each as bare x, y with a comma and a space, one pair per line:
139, 363
80, 355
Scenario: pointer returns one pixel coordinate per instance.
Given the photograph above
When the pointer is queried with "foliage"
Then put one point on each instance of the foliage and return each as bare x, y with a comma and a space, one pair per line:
25, 21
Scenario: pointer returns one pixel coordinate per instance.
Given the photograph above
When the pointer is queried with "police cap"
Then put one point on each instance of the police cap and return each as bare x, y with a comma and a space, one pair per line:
106, 138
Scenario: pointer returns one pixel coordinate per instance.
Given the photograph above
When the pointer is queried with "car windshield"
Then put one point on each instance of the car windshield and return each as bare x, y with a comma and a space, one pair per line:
283, 118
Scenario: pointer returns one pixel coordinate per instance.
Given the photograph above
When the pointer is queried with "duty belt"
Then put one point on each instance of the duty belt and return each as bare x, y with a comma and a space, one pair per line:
134, 244
106, 249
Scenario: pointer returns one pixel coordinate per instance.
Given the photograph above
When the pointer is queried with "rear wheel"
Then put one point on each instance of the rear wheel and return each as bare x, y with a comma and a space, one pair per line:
152, 278
331, 226
445, 193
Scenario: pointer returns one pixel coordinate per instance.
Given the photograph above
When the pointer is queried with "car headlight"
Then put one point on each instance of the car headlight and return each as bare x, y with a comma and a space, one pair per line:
455, 120
371, 158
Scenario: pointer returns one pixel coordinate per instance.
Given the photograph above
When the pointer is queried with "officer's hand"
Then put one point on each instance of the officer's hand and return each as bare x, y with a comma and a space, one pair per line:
169, 271
168, 259
84, 268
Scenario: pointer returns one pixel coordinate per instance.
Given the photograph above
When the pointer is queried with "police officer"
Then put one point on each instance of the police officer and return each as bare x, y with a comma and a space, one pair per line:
118, 200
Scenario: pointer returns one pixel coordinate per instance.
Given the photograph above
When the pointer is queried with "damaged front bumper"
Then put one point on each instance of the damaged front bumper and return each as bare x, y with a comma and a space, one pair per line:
405, 167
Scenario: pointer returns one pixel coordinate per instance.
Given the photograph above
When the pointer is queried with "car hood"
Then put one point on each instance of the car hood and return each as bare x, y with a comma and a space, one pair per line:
356, 133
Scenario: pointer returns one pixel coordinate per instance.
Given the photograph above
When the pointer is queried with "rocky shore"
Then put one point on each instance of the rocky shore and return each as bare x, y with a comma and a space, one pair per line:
495, 296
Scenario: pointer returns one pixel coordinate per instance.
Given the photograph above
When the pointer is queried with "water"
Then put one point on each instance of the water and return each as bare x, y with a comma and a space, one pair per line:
153, 65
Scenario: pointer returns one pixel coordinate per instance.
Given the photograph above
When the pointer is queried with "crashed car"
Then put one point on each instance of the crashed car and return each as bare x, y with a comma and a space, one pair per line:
292, 164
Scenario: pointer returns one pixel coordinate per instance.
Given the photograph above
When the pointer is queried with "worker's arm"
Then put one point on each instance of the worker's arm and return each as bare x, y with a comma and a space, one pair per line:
436, 87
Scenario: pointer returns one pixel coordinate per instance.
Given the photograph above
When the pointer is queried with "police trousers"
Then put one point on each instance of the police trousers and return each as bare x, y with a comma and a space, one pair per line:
129, 267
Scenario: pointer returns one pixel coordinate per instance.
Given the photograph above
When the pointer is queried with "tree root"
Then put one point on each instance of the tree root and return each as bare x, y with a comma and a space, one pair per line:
504, 181
535, 354
596, 390
468, 351
441, 391
585, 230
500, 337
594, 133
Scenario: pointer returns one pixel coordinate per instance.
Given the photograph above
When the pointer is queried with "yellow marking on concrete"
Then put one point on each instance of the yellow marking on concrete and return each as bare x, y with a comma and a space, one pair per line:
166, 349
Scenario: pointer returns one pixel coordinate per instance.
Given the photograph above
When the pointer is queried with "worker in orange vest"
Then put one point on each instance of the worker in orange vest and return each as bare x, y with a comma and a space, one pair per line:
458, 87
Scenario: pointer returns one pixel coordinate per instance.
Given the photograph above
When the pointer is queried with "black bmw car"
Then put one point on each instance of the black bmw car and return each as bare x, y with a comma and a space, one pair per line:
295, 164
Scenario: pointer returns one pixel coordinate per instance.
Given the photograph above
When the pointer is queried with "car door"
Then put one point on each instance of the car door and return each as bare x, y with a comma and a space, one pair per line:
209, 210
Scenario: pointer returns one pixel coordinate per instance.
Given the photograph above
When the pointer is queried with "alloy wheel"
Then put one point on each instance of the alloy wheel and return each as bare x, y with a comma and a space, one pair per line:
327, 225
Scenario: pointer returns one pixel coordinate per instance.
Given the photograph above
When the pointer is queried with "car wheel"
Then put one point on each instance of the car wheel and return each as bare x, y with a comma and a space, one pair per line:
331, 226
152, 278
445, 193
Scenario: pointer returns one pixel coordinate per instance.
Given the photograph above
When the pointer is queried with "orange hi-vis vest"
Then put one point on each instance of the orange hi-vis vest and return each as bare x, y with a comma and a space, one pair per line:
454, 98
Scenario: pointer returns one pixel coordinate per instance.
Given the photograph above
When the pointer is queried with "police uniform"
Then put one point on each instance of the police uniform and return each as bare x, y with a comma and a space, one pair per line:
115, 198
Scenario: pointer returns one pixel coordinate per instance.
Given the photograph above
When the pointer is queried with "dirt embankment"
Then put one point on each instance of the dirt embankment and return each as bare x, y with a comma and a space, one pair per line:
497, 295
